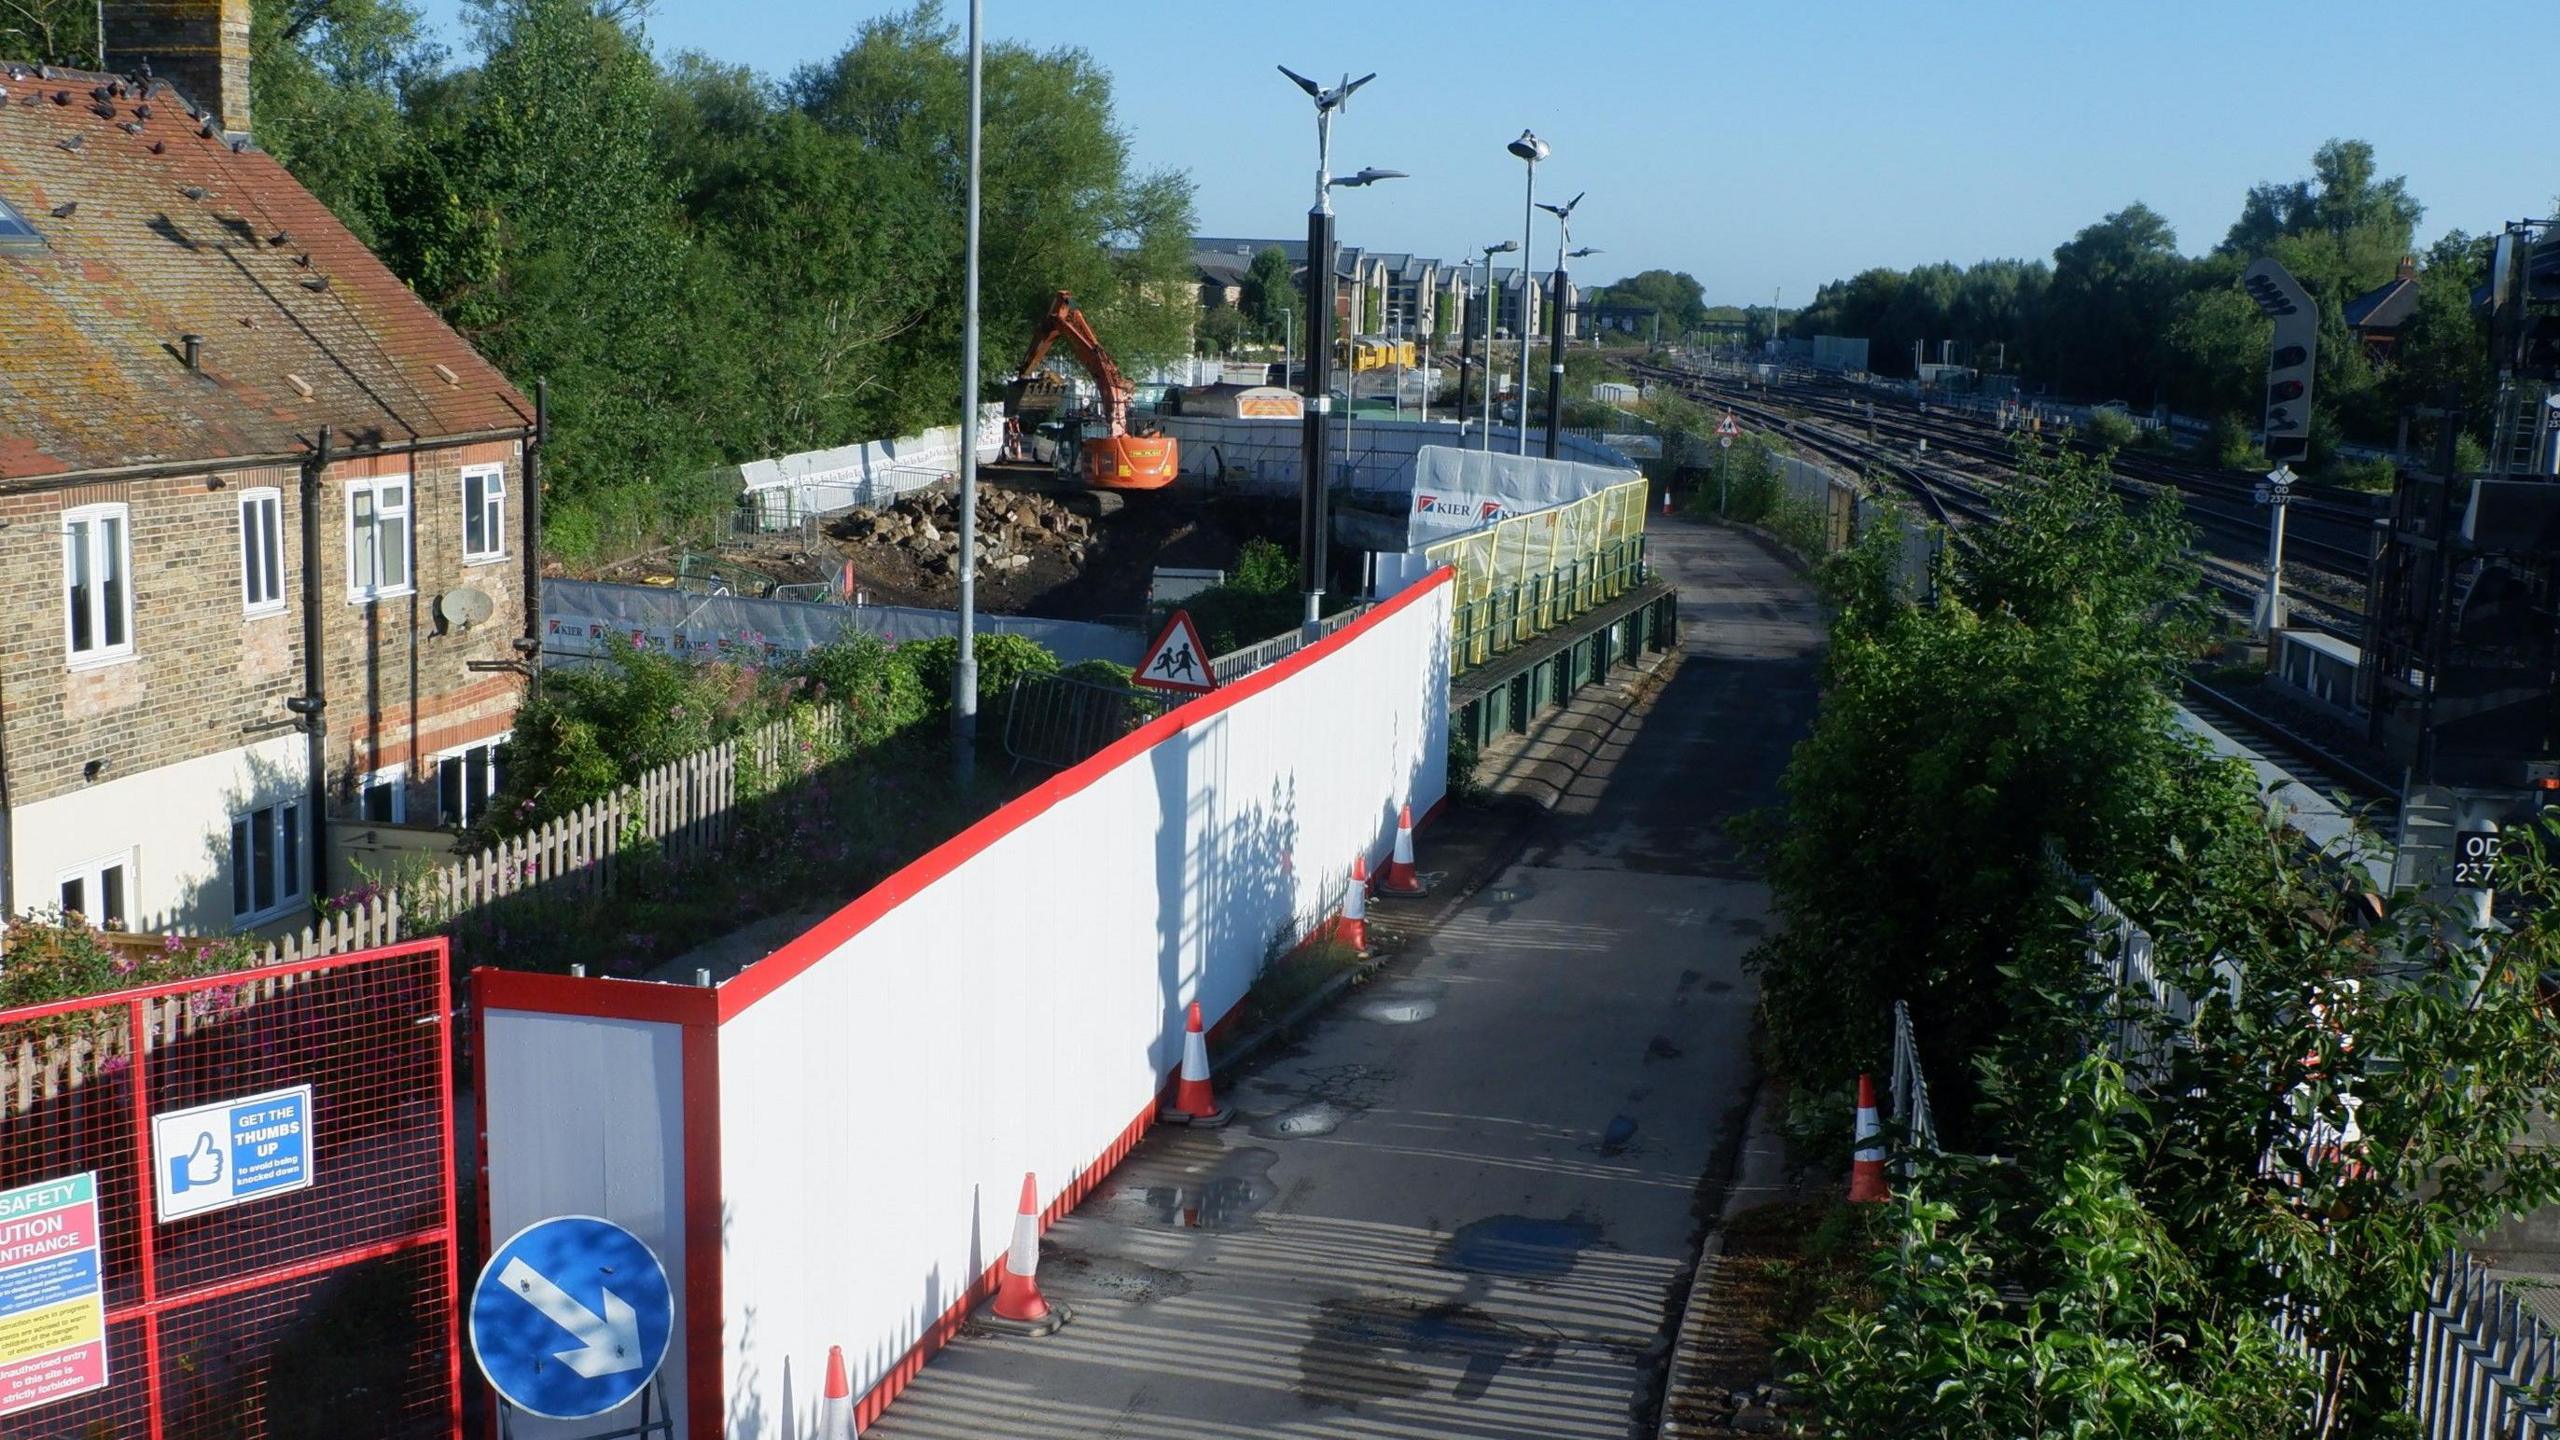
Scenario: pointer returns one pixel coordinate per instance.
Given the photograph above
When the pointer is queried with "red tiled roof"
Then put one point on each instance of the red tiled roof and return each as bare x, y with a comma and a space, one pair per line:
172, 233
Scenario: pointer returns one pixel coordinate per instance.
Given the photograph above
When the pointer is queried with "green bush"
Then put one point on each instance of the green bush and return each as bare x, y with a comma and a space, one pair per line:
878, 686
2377, 474
1001, 660
2230, 445
1264, 568
1100, 672
63, 957
583, 733
2111, 429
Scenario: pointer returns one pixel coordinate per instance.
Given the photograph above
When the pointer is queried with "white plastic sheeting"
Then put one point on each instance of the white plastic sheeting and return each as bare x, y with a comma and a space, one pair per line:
1261, 457
1013, 1002
780, 491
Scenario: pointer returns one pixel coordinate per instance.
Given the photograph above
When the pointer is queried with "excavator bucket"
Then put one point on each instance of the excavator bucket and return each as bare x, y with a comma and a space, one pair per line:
1131, 462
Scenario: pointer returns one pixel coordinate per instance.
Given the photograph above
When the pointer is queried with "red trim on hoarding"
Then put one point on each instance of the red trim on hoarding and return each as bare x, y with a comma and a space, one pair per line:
706, 1404
765, 976
938, 1333
592, 997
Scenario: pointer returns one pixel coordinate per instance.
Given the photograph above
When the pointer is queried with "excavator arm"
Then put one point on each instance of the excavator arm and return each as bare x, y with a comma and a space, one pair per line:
1065, 322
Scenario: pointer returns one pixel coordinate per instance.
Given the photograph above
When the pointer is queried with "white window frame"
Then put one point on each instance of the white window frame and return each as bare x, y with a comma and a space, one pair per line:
370, 545
473, 806
397, 777
254, 566
92, 878
285, 847
99, 652
493, 513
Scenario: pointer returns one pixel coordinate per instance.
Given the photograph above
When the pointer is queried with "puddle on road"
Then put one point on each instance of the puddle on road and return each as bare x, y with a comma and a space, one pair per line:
1361, 1350
1405, 1002
1221, 1197
1313, 1118
1522, 1246
1622, 1128
1664, 1048
1506, 894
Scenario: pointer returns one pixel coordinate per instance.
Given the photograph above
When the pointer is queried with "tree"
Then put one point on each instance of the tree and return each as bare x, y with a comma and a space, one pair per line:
1270, 294
1675, 294
2114, 282
327, 75
50, 32
1955, 740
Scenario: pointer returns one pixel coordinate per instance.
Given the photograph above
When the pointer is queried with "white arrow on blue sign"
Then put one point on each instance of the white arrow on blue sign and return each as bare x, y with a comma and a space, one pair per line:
571, 1317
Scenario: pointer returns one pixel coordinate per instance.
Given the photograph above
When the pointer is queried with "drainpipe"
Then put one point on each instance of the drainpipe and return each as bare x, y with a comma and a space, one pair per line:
313, 703
531, 645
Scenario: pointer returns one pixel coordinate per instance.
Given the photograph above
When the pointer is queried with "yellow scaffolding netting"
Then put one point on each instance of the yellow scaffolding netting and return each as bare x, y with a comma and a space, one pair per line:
1507, 552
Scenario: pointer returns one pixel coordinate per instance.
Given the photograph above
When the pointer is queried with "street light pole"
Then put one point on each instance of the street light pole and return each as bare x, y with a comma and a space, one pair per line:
1555, 331
1531, 149
964, 673
1492, 303
1313, 522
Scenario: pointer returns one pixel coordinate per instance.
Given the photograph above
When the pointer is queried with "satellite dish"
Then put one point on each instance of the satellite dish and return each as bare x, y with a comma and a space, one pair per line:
466, 606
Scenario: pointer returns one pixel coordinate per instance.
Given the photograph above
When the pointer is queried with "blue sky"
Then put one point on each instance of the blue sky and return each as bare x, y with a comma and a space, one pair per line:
1769, 145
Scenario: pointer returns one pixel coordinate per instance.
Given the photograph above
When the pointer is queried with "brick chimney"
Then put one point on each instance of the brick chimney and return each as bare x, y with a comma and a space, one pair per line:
200, 46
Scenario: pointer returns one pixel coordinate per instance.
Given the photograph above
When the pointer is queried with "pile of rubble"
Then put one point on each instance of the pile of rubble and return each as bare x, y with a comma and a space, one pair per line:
1013, 527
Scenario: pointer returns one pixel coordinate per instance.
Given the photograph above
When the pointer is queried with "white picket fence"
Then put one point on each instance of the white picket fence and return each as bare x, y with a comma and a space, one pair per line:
683, 807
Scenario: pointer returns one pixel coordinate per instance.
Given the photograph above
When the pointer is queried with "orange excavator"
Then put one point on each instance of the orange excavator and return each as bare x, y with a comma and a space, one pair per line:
1114, 458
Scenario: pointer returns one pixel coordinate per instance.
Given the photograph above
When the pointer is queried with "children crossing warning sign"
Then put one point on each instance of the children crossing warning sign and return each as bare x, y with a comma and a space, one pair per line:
1177, 661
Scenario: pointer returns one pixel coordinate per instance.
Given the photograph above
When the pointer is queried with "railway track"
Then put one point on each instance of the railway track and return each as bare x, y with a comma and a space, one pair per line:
1836, 429
1957, 498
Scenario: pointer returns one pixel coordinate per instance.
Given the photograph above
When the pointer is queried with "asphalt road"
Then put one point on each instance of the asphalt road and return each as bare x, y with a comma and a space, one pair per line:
1463, 1203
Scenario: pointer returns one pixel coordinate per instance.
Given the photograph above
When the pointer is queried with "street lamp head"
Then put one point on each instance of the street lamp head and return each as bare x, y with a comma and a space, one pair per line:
1505, 248
1370, 176
1530, 148
1337, 98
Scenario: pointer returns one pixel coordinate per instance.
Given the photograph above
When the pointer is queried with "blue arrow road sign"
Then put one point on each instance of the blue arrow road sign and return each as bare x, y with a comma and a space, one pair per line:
571, 1317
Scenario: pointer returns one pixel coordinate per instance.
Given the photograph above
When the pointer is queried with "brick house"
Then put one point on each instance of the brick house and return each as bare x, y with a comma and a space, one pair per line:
267, 526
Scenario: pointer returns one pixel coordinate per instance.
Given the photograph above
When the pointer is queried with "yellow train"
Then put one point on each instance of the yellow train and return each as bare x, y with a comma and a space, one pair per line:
1369, 352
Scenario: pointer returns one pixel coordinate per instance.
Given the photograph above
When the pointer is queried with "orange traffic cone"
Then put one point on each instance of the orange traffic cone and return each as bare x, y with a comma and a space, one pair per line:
1866, 1161
1353, 928
1194, 1103
1399, 877
1666, 499
835, 1411
1019, 1308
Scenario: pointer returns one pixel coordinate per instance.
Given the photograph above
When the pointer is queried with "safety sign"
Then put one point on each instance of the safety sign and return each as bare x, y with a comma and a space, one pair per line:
571, 1317
211, 1157
53, 1308
1177, 661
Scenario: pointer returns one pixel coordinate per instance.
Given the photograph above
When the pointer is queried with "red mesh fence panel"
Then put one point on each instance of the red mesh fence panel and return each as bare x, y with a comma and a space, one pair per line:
319, 1311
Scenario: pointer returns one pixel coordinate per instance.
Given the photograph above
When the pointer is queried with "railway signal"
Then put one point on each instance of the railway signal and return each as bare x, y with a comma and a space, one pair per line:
2282, 299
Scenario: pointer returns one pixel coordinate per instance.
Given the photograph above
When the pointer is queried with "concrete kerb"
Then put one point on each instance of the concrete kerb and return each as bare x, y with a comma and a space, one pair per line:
1760, 1175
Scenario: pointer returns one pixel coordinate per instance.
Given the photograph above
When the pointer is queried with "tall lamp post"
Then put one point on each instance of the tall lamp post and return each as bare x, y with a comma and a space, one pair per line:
964, 673
1312, 520
1492, 302
1555, 329
1531, 149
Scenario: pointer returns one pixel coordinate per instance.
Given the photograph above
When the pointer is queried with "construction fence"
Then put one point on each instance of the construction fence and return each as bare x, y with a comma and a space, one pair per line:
824, 1147
1521, 577
230, 1206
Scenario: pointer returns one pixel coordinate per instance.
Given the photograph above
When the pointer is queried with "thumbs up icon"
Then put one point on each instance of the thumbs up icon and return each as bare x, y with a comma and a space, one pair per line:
198, 1167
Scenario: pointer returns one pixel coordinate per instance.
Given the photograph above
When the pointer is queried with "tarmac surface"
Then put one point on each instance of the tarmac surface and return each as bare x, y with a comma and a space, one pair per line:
1466, 1201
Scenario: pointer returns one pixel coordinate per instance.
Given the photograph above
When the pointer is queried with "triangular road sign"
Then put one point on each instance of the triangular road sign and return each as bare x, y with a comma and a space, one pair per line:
1727, 426
1177, 661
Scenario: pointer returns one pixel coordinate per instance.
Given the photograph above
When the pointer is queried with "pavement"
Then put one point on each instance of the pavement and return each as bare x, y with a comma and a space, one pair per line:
1466, 1201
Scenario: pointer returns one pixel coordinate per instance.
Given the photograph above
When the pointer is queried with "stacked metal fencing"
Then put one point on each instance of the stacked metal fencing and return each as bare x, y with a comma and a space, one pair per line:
324, 1310
1915, 1124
